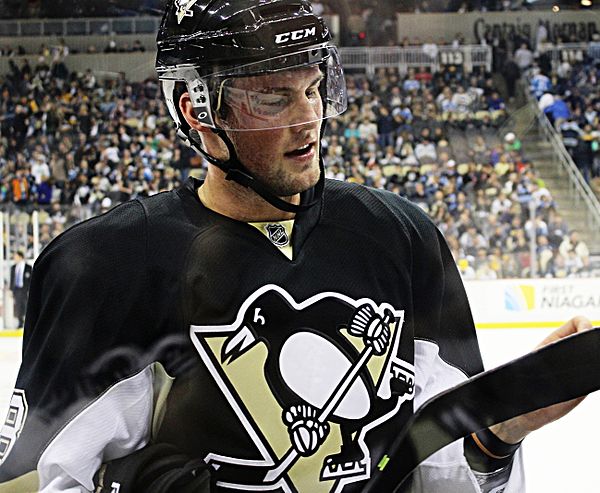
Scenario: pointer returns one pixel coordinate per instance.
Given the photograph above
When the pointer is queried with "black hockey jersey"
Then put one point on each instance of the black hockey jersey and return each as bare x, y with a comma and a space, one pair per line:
163, 321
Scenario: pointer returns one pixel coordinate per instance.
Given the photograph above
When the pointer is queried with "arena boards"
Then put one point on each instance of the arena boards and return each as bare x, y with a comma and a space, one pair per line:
561, 371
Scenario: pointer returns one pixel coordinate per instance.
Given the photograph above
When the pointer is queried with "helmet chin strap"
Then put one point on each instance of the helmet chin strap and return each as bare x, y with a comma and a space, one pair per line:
235, 170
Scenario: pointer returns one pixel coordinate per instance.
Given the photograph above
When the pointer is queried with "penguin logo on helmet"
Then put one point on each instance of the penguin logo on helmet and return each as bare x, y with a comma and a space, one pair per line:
184, 9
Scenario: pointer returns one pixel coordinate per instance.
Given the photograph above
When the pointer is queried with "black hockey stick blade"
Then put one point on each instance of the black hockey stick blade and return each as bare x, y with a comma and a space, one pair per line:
561, 371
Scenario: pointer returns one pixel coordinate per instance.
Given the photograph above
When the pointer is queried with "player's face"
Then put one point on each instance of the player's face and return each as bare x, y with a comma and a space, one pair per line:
285, 158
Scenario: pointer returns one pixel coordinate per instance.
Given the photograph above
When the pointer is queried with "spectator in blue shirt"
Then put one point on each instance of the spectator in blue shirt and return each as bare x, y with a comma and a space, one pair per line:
540, 84
495, 102
557, 111
411, 83
44, 191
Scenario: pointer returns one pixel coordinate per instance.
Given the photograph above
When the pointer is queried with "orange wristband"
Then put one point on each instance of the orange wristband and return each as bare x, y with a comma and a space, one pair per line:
499, 448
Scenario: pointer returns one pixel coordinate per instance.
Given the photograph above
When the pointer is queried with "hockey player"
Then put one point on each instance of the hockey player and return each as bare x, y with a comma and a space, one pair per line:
262, 330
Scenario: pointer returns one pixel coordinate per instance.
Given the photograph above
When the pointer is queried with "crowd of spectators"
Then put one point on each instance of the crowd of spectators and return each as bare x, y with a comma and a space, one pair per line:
437, 140
570, 98
28, 9
61, 50
73, 146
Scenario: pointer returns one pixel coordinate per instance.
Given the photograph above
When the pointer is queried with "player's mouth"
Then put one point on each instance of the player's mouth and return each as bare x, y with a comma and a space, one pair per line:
302, 153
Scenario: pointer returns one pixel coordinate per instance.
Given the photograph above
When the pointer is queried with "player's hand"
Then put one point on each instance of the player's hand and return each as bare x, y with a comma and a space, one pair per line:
515, 429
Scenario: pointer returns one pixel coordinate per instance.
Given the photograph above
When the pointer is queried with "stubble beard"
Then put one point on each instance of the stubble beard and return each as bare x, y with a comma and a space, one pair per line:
284, 179
287, 184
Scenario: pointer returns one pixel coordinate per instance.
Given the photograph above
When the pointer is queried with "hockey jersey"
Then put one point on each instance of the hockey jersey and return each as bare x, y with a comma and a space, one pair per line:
165, 322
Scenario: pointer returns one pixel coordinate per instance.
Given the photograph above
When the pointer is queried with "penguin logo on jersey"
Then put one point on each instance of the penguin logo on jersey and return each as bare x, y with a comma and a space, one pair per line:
311, 382
277, 235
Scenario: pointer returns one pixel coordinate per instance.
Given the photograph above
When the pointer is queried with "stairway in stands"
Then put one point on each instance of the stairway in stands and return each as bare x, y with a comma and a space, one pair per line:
540, 153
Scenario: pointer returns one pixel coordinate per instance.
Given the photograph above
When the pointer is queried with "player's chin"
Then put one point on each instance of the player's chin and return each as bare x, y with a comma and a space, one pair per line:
298, 181
310, 176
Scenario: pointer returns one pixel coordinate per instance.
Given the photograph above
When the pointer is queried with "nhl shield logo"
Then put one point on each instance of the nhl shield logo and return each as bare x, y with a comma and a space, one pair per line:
278, 235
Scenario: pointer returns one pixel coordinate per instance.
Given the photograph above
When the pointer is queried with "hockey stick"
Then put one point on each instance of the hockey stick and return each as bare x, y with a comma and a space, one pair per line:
564, 370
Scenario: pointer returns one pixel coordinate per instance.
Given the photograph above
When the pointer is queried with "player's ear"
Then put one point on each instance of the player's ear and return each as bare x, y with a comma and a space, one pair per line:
187, 110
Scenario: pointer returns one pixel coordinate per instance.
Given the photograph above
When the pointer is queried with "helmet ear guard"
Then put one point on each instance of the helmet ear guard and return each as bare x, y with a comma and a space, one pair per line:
172, 91
197, 89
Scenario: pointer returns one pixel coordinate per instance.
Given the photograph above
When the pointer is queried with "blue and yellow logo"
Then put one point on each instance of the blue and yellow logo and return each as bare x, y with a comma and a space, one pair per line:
519, 298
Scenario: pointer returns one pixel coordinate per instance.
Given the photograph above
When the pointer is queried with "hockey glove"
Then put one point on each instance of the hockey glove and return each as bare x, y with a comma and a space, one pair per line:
157, 468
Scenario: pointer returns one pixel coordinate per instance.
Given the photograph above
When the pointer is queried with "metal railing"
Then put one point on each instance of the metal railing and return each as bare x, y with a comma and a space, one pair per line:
85, 44
79, 27
370, 59
29, 229
138, 66
580, 192
572, 53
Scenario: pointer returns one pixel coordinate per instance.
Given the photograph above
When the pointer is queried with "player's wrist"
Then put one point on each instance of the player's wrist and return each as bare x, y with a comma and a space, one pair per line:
509, 432
485, 452
490, 443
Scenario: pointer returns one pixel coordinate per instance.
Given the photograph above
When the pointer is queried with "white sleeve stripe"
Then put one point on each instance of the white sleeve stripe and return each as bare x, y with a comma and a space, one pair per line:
448, 466
433, 374
115, 424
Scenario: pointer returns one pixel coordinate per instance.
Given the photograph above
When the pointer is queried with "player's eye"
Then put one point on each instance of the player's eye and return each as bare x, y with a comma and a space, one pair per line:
269, 104
313, 92
274, 101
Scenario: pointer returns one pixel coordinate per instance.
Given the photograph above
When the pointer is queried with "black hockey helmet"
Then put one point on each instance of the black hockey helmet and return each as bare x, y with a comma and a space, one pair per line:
206, 46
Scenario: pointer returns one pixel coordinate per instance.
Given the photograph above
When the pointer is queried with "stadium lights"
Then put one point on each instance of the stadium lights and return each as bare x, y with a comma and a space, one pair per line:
586, 3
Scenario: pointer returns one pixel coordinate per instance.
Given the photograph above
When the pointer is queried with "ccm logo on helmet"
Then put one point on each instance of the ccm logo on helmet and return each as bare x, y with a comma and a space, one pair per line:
295, 35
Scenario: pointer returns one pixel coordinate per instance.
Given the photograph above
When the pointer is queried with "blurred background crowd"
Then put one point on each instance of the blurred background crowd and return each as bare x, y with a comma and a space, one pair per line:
74, 144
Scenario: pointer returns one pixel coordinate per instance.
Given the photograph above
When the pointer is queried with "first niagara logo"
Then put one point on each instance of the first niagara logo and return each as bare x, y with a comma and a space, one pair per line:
519, 298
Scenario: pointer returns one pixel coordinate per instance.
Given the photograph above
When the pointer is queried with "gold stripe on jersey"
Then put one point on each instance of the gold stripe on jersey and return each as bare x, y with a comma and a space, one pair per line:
28, 483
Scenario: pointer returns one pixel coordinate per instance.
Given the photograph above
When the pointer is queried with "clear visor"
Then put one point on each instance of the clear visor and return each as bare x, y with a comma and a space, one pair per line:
295, 89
